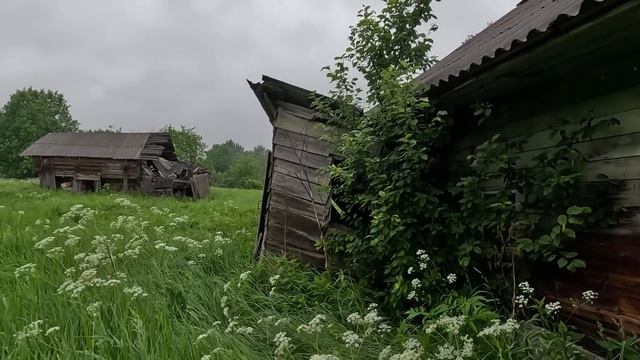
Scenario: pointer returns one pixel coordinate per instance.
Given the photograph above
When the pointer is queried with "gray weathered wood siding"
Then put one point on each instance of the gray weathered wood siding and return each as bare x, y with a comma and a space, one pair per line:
297, 210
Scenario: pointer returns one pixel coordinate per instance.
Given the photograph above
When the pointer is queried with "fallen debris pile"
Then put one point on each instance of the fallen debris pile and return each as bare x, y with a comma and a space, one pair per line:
175, 178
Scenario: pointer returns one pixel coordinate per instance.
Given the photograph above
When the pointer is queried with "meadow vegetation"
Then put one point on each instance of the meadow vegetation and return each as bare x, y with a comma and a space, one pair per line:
106, 276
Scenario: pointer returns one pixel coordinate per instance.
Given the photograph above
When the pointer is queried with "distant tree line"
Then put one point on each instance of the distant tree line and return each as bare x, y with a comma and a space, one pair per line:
30, 114
234, 166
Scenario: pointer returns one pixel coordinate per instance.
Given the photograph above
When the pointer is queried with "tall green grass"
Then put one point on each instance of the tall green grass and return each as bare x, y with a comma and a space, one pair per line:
183, 288
109, 276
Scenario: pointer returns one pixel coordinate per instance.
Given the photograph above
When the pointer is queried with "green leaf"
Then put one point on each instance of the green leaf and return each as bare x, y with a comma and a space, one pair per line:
562, 220
562, 262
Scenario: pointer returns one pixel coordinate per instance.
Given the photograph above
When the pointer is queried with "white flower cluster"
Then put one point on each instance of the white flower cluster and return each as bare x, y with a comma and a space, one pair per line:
29, 331
94, 308
208, 333
589, 296
450, 324
372, 322
179, 220
351, 339
283, 344
423, 258
412, 350
244, 277
450, 352
25, 271
526, 291
135, 292
315, 326
416, 283
324, 357
497, 329
124, 202
452, 278
553, 307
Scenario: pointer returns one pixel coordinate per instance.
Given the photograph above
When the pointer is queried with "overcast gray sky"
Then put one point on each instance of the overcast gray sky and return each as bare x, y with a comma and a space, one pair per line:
142, 64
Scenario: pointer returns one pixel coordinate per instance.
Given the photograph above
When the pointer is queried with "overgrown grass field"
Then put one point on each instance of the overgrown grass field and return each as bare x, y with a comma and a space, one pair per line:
108, 276
113, 276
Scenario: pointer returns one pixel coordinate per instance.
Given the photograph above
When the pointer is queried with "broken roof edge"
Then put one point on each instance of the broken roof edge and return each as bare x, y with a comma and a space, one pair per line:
271, 90
438, 78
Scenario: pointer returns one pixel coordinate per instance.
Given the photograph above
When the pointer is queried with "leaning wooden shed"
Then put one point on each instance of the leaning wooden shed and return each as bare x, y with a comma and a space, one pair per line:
87, 161
296, 204
550, 60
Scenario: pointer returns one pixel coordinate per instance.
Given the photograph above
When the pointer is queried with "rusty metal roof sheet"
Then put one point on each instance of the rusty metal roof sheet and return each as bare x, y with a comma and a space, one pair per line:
122, 146
529, 19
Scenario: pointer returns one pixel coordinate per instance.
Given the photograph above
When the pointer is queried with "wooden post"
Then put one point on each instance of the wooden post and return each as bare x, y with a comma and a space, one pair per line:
125, 179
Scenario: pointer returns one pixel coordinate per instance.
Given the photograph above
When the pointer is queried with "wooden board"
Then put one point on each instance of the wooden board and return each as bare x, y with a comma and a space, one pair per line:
302, 158
291, 122
297, 141
305, 173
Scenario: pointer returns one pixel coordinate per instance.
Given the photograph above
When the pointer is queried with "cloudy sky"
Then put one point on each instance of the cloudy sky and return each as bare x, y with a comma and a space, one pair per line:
142, 64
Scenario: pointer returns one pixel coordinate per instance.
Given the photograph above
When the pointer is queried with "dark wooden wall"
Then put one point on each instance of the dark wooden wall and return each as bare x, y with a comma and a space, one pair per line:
612, 255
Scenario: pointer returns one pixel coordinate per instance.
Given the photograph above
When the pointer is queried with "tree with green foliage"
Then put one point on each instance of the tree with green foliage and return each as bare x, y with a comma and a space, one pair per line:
221, 156
27, 116
187, 142
236, 167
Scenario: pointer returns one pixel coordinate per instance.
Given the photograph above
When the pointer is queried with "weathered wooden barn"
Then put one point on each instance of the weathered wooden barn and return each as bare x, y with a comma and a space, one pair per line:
550, 62
142, 161
543, 64
296, 204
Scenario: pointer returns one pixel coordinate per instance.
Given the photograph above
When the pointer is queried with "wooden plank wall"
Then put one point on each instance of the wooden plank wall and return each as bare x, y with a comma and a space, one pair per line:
613, 257
297, 208
108, 169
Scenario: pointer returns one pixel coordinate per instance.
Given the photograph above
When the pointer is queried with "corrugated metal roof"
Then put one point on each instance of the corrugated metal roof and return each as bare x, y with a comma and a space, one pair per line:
122, 146
529, 18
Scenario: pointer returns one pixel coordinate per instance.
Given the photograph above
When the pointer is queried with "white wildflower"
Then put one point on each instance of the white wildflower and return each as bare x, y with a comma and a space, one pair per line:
31, 330
51, 330
274, 280
244, 330
385, 353
451, 324
315, 326
282, 321
412, 350
553, 307
94, 308
497, 329
191, 263
206, 357
410, 270
44, 242
525, 288
451, 278
589, 296
324, 357
412, 295
283, 344
351, 339
135, 291
415, 283
55, 252
25, 271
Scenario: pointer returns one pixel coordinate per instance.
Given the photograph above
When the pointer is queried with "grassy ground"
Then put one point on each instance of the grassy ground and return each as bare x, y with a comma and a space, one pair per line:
106, 276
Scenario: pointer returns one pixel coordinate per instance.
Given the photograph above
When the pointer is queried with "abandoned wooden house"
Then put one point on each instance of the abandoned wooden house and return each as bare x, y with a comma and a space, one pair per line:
142, 161
546, 64
550, 64
296, 206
